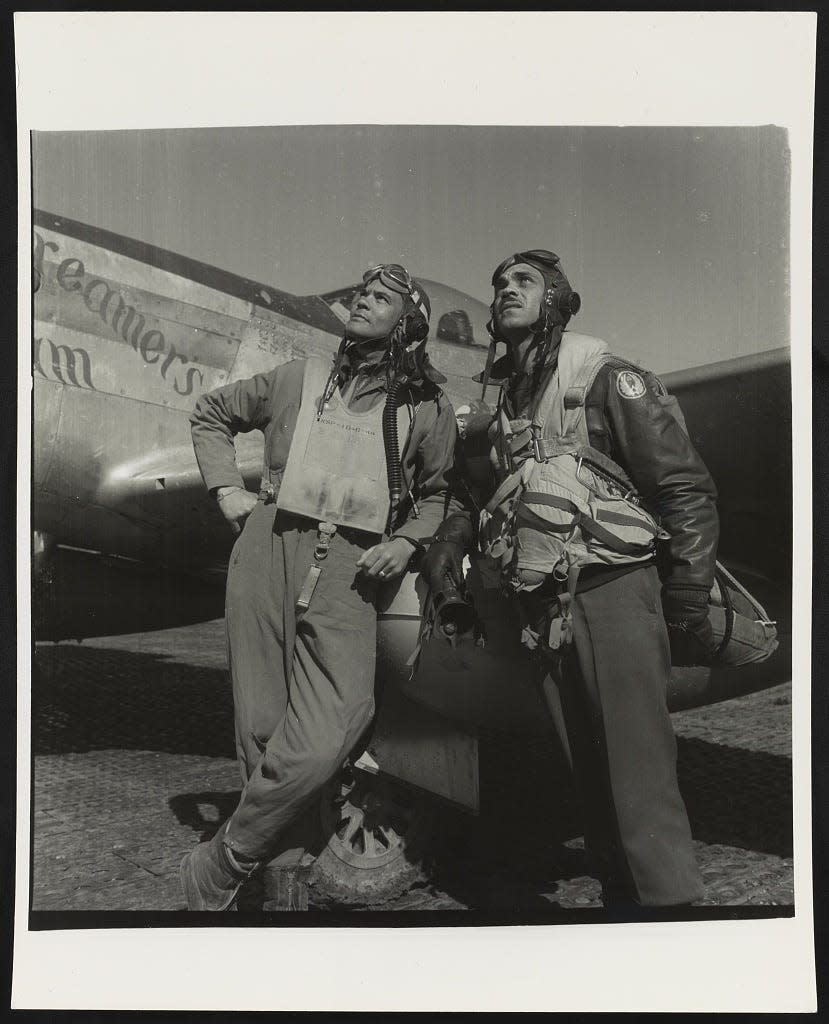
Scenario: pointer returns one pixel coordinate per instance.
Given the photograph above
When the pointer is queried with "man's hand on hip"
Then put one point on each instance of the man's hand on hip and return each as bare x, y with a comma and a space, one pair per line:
236, 504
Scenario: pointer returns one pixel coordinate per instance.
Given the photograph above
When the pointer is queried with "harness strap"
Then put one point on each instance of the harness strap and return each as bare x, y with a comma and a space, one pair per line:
527, 517
561, 626
605, 467
504, 454
608, 539
506, 490
520, 440
549, 447
602, 515
552, 500
575, 396
620, 519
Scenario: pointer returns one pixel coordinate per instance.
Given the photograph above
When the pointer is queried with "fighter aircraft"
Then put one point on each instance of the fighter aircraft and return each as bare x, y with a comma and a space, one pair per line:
125, 538
126, 337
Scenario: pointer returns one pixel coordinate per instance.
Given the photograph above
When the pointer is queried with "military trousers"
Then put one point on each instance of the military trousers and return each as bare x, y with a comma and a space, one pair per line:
607, 694
303, 682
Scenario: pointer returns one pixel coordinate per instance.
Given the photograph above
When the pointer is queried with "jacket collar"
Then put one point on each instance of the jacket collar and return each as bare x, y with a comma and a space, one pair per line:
503, 369
500, 373
374, 362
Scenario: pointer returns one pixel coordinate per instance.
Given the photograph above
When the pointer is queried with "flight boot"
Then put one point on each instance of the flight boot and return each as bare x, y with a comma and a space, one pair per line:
211, 875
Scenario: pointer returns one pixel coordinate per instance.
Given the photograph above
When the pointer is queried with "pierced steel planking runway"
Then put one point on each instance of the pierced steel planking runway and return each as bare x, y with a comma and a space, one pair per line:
134, 762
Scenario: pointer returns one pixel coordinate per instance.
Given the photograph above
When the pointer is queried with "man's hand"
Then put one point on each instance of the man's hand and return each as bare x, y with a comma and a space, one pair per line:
387, 561
689, 628
236, 504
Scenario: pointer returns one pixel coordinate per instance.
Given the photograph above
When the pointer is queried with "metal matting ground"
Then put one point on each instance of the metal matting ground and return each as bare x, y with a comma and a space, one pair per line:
134, 763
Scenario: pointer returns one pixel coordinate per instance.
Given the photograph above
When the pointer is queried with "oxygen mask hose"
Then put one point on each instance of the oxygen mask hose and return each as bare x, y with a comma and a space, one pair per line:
391, 444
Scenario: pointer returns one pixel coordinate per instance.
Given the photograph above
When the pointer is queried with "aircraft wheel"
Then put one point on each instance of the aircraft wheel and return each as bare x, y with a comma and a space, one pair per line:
380, 833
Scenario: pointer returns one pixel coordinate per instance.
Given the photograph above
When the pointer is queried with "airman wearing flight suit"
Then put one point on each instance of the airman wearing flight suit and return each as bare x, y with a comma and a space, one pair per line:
357, 457
590, 482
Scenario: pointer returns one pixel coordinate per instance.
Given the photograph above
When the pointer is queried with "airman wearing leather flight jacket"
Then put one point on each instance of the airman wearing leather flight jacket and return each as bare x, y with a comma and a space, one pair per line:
598, 512
627, 423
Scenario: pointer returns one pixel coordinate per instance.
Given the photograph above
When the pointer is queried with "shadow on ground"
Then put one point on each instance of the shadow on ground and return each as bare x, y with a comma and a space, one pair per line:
737, 797
203, 812
530, 810
86, 698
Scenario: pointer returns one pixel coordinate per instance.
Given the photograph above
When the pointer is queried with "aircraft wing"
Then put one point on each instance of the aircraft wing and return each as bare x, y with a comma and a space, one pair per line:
739, 416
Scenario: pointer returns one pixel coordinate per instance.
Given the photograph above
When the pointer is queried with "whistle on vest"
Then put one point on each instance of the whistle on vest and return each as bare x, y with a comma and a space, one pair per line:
325, 533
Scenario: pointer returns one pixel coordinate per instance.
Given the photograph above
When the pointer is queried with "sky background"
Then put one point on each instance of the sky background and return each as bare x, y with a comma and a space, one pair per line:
676, 238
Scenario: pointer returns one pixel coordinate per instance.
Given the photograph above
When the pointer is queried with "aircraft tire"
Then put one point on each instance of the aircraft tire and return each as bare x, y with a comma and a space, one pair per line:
380, 835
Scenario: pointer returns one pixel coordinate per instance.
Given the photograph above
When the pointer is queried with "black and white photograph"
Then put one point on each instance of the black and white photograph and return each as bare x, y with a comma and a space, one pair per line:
410, 527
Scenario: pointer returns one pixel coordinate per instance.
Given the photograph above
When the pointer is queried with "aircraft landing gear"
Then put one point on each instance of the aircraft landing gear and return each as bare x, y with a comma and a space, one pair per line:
379, 836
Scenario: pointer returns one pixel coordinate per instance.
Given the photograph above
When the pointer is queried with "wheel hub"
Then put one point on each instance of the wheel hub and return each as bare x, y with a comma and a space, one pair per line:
368, 820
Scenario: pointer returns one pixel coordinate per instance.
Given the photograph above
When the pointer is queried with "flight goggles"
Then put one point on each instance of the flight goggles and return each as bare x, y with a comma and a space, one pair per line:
542, 259
399, 280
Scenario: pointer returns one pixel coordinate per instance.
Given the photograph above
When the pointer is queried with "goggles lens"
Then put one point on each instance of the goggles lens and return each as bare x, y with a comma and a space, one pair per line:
537, 256
393, 276
533, 256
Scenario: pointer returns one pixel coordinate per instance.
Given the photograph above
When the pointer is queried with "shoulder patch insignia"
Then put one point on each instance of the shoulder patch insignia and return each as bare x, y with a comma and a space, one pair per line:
630, 384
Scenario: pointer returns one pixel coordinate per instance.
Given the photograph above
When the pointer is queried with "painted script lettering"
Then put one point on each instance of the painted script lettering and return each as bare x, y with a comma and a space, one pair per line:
124, 320
63, 363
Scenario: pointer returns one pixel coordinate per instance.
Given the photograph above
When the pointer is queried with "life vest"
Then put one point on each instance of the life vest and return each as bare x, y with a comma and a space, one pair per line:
336, 467
561, 504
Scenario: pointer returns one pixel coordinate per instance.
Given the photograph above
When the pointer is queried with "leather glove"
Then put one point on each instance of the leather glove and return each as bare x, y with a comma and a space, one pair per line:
445, 554
689, 628
442, 568
444, 558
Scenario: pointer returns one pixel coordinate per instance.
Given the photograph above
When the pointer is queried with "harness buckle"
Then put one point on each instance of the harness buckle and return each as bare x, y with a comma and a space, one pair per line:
537, 454
325, 532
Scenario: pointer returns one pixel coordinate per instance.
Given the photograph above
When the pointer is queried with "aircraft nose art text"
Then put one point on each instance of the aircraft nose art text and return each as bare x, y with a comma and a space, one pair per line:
105, 322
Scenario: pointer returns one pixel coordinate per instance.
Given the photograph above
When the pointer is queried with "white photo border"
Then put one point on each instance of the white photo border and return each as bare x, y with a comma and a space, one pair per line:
155, 70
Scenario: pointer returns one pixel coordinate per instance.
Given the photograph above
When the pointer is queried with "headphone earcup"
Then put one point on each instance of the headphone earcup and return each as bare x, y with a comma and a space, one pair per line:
569, 302
417, 330
564, 301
